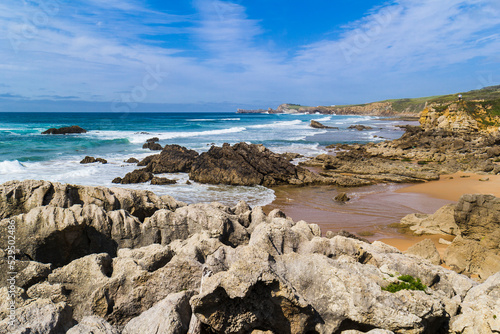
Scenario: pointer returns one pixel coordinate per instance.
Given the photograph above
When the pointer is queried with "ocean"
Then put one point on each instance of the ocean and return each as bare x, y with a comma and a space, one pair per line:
27, 154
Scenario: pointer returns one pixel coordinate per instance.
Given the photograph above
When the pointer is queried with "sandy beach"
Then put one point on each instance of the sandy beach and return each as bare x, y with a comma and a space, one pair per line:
372, 209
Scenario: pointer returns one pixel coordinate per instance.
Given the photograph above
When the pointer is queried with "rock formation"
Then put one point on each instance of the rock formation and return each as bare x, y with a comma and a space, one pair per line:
318, 125
90, 160
64, 130
172, 159
360, 127
269, 273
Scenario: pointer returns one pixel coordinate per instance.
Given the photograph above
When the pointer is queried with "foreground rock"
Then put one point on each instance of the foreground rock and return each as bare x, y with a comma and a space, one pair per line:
136, 176
64, 130
475, 221
269, 273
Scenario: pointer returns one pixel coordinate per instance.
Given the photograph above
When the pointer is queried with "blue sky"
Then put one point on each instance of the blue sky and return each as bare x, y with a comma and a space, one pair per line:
259, 53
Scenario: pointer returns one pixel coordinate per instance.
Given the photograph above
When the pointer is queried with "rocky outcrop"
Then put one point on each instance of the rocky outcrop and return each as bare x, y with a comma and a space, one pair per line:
90, 160
162, 181
132, 161
440, 222
136, 176
247, 164
425, 249
173, 159
477, 251
152, 146
64, 130
360, 127
266, 272
318, 125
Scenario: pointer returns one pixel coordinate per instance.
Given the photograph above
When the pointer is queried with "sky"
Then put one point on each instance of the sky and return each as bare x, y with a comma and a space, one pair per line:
123, 54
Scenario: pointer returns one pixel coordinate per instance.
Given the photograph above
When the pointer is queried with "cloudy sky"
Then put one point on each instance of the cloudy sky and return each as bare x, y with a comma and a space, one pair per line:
253, 52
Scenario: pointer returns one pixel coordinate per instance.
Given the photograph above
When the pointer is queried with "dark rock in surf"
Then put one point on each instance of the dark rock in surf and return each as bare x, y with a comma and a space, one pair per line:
360, 127
318, 125
132, 161
172, 159
90, 160
162, 181
137, 176
64, 130
152, 146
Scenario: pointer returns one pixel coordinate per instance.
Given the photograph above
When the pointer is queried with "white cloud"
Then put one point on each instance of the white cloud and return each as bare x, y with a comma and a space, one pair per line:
95, 48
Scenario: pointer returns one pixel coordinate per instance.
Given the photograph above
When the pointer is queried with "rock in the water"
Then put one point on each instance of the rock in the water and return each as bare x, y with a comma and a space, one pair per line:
132, 161
318, 125
342, 197
162, 181
152, 146
426, 249
64, 130
136, 176
244, 164
360, 127
169, 316
172, 159
89, 160
153, 140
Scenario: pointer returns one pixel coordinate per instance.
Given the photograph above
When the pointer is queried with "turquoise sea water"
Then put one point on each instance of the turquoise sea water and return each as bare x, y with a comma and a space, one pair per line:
27, 154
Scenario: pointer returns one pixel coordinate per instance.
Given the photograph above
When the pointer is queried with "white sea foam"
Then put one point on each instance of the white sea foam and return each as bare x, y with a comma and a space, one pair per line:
135, 137
324, 119
11, 167
277, 124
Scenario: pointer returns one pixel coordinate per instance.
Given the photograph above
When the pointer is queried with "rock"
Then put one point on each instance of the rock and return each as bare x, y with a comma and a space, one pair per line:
172, 159
136, 176
153, 140
132, 161
291, 156
444, 242
18, 197
89, 160
29, 273
162, 181
81, 278
425, 249
94, 325
440, 222
346, 234
64, 130
478, 250
244, 164
360, 127
480, 309
483, 179
169, 316
152, 146
318, 125
342, 197
41, 316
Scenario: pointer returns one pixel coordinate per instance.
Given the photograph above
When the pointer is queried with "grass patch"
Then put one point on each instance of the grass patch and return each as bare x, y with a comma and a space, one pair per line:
406, 282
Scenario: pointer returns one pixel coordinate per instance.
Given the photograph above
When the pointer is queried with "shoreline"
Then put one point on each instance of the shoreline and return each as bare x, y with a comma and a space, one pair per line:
373, 208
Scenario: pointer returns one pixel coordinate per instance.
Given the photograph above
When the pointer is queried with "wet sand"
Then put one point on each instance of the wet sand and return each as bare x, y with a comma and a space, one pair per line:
451, 187
372, 208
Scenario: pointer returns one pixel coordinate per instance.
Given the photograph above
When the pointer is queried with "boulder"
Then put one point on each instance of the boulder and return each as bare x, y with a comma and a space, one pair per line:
360, 127
162, 181
152, 146
478, 250
480, 309
318, 125
440, 222
132, 161
153, 140
425, 249
172, 159
247, 164
64, 130
342, 197
136, 176
94, 325
89, 160
169, 316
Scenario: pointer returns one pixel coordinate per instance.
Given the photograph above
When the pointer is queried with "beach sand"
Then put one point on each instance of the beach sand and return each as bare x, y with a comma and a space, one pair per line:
371, 209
